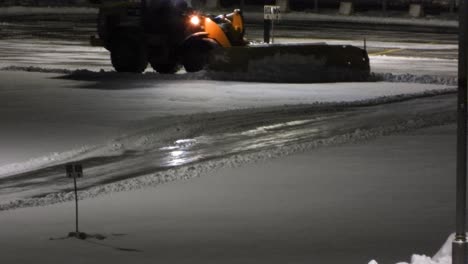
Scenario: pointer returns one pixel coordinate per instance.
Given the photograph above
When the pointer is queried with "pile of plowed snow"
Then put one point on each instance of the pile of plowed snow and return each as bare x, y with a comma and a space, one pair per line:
251, 76
443, 256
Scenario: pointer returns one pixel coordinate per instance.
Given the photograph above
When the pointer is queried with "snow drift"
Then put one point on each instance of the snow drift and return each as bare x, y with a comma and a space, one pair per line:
443, 256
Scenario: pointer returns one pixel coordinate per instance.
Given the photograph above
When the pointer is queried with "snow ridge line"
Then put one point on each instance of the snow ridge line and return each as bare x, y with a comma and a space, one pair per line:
84, 74
203, 168
87, 74
410, 78
36, 69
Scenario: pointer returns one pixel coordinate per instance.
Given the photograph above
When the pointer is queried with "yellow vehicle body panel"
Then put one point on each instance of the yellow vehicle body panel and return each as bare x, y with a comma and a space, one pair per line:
216, 33
237, 22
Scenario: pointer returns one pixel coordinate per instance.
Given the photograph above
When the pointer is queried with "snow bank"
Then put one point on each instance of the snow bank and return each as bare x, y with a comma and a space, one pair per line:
40, 69
418, 66
86, 74
411, 78
443, 256
256, 74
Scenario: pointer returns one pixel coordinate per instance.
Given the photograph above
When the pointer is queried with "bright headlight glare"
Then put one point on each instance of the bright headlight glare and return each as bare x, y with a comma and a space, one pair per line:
195, 20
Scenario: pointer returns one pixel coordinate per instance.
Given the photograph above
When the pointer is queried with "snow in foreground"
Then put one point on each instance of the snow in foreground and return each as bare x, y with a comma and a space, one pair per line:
107, 104
343, 204
443, 256
162, 148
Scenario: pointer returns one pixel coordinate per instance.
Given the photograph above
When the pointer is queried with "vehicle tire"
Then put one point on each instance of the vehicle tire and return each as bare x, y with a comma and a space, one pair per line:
167, 68
127, 55
196, 56
163, 59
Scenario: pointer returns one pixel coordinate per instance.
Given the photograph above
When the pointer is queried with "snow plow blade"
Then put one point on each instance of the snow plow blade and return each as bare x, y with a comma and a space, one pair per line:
291, 63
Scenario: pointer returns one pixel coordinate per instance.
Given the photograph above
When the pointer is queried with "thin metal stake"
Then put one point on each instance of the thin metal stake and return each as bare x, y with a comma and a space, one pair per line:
459, 245
272, 31
76, 206
266, 30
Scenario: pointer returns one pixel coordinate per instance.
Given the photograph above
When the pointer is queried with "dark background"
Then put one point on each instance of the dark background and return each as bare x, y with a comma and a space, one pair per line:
297, 5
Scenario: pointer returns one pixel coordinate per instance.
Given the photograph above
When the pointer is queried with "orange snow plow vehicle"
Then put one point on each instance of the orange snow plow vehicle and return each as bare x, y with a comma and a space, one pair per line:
168, 36
165, 36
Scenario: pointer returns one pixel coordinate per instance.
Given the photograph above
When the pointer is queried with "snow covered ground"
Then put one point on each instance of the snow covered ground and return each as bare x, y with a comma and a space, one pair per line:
99, 106
230, 214
25, 10
372, 20
347, 192
384, 199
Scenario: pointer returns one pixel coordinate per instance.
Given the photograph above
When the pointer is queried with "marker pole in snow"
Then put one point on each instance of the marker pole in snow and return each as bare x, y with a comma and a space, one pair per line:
272, 31
270, 14
76, 207
459, 245
266, 30
75, 171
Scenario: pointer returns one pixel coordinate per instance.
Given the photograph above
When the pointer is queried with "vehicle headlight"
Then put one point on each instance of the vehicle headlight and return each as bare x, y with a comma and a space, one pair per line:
195, 20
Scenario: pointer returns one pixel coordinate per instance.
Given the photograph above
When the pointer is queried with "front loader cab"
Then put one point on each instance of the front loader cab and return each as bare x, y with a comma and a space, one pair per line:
238, 28
233, 27
208, 33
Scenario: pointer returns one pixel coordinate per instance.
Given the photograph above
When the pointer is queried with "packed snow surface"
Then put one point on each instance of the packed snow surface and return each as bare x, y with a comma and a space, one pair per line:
443, 256
156, 147
108, 104
25, 10
385, 199
138, 131
305, 16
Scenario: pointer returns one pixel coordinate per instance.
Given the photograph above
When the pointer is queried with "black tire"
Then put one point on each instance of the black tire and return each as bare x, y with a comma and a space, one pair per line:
128, 55
196, 56
163, 59
167, 68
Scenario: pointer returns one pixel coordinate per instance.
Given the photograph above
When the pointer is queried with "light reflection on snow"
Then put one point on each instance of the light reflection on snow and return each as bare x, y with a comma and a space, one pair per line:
180, 157
177, 162
185, 151
169, 148
277, 139
186, 141
177, 153
264, 129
